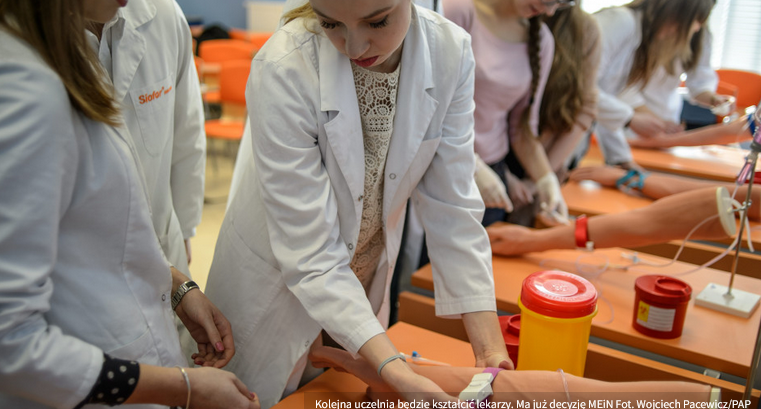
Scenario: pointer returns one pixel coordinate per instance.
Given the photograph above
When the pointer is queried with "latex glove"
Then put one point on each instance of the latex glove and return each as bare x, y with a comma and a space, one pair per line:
554, 211
493, 191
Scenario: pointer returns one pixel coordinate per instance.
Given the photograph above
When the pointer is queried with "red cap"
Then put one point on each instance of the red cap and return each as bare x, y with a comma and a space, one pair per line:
511, 329
558, 294
662, 289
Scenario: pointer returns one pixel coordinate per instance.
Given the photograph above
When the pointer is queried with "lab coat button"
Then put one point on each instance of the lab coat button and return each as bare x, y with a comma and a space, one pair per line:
163, 297
392, 176
350, 246
359, 199
306, 344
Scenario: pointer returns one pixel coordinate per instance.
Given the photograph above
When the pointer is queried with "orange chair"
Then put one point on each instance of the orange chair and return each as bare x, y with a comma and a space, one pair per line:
216, 51
256, 38
748, 85
233, 76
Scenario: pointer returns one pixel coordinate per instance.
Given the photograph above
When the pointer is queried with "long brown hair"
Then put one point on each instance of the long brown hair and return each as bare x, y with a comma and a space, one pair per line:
534, 41
565, 84
657, 14
56, 30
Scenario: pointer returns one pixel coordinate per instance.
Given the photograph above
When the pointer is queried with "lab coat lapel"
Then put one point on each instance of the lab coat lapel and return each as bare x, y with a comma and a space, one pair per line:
127, 57
414, 110
338, 98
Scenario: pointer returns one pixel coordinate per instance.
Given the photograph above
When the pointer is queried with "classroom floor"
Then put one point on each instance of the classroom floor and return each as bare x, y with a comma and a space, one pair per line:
215, 200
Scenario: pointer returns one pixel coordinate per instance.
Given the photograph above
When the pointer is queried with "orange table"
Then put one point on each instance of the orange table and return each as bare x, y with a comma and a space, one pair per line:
407, 338
710, 339
714, 162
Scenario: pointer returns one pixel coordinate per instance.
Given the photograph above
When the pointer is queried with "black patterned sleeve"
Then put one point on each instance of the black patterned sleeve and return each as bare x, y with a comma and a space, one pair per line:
116, 382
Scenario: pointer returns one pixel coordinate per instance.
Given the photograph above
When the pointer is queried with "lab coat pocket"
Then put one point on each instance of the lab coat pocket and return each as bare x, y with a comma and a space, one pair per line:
154, 105
141, 349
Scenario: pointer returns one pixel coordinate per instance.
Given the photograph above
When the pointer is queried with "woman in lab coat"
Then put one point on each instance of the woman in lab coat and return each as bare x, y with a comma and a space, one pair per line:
146, 51
312, 234
85, 292
638, 40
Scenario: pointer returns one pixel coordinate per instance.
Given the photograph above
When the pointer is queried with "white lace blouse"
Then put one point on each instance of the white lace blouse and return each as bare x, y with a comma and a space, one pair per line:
376, 93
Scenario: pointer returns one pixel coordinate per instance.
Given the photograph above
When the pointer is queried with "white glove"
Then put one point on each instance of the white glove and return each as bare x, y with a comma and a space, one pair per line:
554, 210
493, 191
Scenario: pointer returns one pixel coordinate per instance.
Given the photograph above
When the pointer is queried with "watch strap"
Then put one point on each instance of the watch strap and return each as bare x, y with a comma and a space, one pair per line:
181, 291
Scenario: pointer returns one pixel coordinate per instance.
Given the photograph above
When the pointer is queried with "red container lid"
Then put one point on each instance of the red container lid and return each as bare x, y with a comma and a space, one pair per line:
558, 294
511, 327
662, 289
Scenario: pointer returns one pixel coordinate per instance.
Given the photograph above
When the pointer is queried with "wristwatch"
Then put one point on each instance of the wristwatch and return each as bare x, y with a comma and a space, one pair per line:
181, 291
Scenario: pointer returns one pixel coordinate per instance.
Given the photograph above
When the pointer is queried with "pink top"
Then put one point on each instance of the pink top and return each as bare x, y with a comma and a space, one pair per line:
503, 81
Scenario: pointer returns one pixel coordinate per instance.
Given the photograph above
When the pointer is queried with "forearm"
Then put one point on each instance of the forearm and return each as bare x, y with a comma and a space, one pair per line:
158, 385
564, 146
485, 337
718, 134
177, 279
679, 213
531, 155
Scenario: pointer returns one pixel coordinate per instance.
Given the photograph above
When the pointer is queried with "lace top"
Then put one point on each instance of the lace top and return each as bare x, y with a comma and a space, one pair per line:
376, 93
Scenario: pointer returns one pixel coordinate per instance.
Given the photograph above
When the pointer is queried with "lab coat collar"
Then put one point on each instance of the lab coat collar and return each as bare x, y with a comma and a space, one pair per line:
126, 58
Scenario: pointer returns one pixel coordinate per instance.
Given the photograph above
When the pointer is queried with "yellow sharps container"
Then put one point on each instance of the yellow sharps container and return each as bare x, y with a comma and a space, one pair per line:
556, 316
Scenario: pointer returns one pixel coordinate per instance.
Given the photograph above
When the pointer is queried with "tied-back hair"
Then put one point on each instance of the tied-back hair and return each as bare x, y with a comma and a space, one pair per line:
566, 82
534, 41
304, 11
652, 52
56, 30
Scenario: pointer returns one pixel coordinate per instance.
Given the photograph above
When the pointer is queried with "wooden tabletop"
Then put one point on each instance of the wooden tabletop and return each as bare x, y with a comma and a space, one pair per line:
343, 387
710, 339
714, 162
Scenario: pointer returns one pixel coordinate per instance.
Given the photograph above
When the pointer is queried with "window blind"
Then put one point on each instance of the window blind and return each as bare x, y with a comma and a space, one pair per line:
736, 29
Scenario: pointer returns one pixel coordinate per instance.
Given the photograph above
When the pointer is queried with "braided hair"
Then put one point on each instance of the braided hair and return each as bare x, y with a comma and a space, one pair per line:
534, 41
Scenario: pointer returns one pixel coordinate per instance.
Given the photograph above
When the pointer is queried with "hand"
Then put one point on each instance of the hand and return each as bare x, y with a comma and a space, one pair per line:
413, 387
723, 105
214, 388
520, 192
646, 125
554, 211
509, 239
495, 361
208, 327
493, 191
188, 250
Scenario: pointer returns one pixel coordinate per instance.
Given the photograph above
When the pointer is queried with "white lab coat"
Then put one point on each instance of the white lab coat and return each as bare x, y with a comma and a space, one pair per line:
81, 271
151, 55
281, 268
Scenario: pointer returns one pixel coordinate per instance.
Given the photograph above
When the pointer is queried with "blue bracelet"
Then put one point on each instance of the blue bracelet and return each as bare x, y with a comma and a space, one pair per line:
389, 359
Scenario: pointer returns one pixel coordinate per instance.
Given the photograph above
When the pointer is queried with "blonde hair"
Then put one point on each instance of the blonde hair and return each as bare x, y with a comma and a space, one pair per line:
652, 52
304, 11
56, 30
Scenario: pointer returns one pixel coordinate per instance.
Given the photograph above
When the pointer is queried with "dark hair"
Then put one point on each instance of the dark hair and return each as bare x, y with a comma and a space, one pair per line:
56, 30
565, 84
534, 41
657, 14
